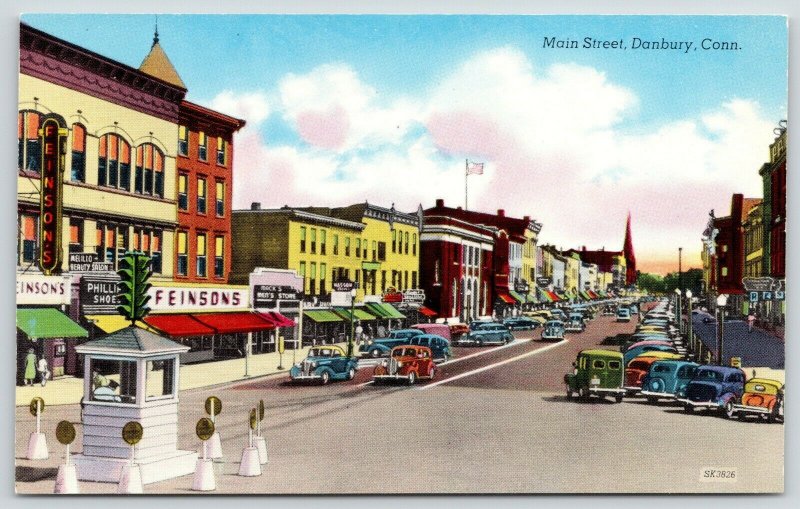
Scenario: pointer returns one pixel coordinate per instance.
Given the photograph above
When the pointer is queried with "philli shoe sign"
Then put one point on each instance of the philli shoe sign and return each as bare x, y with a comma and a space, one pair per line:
53, 135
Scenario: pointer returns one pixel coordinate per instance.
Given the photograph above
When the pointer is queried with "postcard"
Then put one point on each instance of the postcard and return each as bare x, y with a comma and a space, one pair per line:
400, 254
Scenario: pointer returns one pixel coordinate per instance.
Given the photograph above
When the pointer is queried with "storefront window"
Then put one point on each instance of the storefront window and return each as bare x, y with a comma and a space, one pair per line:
78, 173
29, 149
160, 381
113, 380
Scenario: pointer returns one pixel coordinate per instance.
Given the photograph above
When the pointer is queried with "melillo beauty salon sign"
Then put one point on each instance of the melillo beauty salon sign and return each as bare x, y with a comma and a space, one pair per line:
181, 299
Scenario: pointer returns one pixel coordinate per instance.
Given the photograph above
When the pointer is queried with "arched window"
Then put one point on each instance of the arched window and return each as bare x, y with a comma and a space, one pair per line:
29, 155
114, 162
149, 170
78, 153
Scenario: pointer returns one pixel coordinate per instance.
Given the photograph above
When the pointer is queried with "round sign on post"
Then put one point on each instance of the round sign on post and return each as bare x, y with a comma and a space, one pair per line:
204, 429
37, 409
253, 419
261, 410
213, 405
65, 432
132, 433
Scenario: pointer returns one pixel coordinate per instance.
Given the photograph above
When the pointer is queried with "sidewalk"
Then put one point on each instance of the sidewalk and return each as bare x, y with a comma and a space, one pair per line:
756, 348
69, 390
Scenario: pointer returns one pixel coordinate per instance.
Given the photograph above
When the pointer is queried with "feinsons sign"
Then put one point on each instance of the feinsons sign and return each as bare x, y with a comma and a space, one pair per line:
171, 298
52, 135
43, 290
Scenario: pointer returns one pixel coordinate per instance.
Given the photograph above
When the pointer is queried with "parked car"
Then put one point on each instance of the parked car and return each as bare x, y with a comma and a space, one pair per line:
762, 397
382, 346
553, 329
638, 368
645, 342
634, 352
609, 311
406, 362
596, 373
440, 347
667, 379
520, 323
490, 333
558, 314
575, 324
623, 315
324, 363
440, 329
714, 387
457, 329
478, 323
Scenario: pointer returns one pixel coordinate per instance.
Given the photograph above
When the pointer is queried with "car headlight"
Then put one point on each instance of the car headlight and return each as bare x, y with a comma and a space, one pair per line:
385, 363
314, 364
399, 364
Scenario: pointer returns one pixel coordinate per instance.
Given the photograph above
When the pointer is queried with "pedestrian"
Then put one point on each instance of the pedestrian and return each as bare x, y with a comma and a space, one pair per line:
381, 331
359, 331
44, 373
30, 366
751, 318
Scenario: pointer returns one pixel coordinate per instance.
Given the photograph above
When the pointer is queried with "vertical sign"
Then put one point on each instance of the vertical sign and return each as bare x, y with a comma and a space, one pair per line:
52, 137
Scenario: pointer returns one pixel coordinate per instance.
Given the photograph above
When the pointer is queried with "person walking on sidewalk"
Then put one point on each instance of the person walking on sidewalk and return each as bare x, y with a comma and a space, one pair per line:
30, 367
44, 373
751, 318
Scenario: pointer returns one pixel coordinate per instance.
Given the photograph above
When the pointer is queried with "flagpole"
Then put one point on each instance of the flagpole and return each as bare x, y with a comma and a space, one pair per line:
466, 175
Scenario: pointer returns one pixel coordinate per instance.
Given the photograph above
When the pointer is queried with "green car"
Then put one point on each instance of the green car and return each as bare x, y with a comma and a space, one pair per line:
598, 373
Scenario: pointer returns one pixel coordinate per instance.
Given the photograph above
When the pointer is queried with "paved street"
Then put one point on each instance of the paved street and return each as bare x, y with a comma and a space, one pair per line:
756, 348
494, 420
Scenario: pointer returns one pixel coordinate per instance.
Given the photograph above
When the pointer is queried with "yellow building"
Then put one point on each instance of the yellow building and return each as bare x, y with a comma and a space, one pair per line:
529, 252
572, 274
374, 246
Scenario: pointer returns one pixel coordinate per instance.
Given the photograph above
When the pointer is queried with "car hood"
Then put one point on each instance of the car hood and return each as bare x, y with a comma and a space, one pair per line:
318, 359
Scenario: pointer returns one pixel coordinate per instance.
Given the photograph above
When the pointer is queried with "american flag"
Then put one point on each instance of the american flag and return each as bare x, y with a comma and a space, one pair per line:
474, 168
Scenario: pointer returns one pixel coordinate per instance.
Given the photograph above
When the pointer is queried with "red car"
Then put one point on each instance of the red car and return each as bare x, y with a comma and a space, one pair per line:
406, 362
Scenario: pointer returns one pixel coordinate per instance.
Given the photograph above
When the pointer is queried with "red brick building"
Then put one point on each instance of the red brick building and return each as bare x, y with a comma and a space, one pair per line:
773, 174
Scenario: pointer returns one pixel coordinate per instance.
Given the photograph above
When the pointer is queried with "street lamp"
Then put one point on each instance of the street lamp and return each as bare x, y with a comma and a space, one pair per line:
352, 322
689, 318
678, 309
722, 300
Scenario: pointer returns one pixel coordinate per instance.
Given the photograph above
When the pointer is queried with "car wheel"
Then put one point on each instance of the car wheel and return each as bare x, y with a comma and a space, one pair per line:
618, 398
432, 373
412, 377
351, 374
326, 377
652, 400
729, 412
583, 393
688, 408
480, 342
569, 393
772, 416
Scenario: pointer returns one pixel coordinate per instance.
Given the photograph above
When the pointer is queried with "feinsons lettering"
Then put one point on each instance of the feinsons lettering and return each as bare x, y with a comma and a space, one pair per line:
52, 136
164, 298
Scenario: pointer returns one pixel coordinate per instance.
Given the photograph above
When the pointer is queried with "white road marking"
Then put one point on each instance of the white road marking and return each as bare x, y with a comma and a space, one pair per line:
484, 352
491, 366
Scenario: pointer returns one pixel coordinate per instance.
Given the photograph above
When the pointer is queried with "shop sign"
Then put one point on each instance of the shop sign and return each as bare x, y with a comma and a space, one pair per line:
45, 290
267, 296
521, 286
99, 295
543, 281
344, 285
758, 284
392, 295
414, 296
172, 298
52, 136
88, 262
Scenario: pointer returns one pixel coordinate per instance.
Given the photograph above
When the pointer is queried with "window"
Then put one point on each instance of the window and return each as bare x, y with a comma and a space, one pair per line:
75, 235
114, 163
313, 240
302, 273
113, 380
394, 241
358, 248
405, 281
183, 255
302, 239
219, 256
59, 350
122, 241
382, 251
312, 283
598, 364
347, 246
201, 195
323, 235
323, 269
202, 144
183, 140
724, 271
78, 153
374, 250
112, 242
29, 230
414, 244
220, 198
29, 148
149, 242
406, 241
383, 281
160, 381
414, 279
222, 146
201, 255
335, 244
183, 191
613, 365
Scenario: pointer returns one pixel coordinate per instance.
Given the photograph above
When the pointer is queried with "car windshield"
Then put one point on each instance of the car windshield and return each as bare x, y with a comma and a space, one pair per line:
662, 368
760, 387
404, 352
320, 352
640, 365
708, 375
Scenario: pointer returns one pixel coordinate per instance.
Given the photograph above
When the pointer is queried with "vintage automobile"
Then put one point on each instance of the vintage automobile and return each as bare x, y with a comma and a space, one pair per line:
636, 351
542, 313
714, 387
520, 323
553, 329
762, 397
596, 373
623, 315
558, 314
439, 329
324, 363
667, 379
638, 368
628, 346
406, 362
382, 346
575, 323
609, 311
457, 329
440, 347
479, 323
489, 333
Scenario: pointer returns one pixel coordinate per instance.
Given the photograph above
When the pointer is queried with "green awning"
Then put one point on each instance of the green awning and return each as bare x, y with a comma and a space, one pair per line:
46, 323
383, 310
322, 316
585, 295
519, 298
359, 314
532, 298
371, 265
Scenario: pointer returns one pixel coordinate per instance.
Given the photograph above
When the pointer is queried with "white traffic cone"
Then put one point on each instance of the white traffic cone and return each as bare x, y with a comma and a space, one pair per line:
251, 465
215, 447
67, 480
37, 447
261, 445
130, 482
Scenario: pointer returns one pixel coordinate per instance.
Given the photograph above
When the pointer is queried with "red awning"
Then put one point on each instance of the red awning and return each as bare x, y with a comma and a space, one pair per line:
277, 319
554, 296
229, 323
593, 295
426, 311
178, 325
508, 299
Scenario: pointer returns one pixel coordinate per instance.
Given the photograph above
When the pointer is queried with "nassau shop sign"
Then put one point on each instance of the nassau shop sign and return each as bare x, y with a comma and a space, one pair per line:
171, 298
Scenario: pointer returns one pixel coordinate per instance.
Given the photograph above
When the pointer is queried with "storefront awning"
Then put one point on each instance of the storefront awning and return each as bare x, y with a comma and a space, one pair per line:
382, 310
322, 316
546, 297
593, 295
532, 299
178, 325
508, 299
426, 311
358, 314
47, 323
519, 298
113, 323
232, 323
585, 295
277, 319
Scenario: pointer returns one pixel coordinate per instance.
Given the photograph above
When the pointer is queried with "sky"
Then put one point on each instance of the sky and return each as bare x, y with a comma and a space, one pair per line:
342, 109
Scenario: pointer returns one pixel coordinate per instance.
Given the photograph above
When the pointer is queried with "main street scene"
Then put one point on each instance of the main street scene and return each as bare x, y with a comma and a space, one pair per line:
440, 262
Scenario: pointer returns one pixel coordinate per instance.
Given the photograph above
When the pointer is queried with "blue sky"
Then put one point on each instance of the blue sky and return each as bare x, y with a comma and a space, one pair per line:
714, 109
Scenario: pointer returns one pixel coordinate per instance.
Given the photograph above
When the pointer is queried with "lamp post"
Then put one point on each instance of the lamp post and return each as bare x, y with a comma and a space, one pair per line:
689, 318
350, 343
722, 300
678, 309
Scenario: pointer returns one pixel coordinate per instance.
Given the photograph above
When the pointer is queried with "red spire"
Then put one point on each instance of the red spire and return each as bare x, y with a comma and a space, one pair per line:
630, 257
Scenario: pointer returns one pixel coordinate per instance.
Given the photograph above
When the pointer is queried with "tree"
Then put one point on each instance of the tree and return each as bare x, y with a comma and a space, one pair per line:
651, 283
135, 273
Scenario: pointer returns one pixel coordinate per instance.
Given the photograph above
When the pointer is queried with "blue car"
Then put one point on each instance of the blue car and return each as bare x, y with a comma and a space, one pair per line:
632, 353
668, 379
440, 347
323, 364
520, 323
382, 346
714, 387
489, 333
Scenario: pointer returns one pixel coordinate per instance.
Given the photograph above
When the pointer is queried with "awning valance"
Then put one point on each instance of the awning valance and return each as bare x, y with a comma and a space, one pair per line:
358, 314
178, 325
382, 310
48, 323
519, 298
505, 297
114, 323
232, 323
322, 316
277, 319
426, 311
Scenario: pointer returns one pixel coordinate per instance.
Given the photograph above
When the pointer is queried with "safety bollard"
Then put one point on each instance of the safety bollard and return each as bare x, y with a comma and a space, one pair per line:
37, 443
130, 479
261, 441
67, 476
213, 408
204, 479
251, 463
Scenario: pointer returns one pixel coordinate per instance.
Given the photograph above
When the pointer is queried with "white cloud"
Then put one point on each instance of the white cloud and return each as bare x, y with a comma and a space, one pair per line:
253, 107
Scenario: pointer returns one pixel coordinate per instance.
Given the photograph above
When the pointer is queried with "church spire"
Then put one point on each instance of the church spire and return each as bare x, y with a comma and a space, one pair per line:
630, 257
157, 64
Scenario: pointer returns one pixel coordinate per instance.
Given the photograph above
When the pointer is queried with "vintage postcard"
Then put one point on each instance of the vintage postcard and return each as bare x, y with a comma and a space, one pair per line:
400, 254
